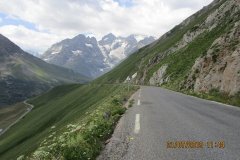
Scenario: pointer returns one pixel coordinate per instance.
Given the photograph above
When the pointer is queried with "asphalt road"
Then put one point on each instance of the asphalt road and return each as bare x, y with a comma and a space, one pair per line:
161, 119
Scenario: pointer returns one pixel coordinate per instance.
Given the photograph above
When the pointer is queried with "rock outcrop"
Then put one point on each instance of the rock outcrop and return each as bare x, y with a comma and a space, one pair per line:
158, 77
220, 68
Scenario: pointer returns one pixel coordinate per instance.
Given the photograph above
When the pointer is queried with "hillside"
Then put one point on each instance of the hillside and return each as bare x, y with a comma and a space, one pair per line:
8, 115
200, 56
93, 58
70, 111
23, 75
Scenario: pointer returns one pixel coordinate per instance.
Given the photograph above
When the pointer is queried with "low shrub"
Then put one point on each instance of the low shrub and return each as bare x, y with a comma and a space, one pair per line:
84, 141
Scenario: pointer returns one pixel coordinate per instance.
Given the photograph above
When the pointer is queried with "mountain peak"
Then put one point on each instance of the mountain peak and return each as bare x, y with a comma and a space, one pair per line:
83, 38
21, 70
80, 36
90, 57
8, 46
110, 35
107, 39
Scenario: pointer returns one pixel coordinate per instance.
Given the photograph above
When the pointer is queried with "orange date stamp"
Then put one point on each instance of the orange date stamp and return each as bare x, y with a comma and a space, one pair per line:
195, 144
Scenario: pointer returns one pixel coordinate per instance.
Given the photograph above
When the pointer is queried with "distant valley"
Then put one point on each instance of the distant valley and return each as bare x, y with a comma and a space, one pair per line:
23, 75
198, 57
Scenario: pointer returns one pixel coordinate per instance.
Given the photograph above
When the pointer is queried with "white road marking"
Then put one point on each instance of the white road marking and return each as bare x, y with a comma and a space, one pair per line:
139, 102
137, 124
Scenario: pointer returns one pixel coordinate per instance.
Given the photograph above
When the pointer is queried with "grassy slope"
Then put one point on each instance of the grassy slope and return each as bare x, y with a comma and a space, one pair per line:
30, 75
59, 107
10, 114
180, 62
39, 70
138, 61
67, 104
24, 66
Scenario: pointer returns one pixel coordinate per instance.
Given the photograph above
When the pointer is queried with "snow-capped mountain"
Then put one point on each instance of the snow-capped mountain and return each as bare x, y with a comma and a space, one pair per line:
22, 75
93, 58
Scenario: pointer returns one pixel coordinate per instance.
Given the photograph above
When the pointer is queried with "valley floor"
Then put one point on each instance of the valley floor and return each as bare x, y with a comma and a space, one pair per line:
12, 114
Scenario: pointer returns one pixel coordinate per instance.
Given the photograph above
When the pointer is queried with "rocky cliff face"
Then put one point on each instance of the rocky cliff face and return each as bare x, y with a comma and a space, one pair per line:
80, 53
200, 55
158, 76
218, 66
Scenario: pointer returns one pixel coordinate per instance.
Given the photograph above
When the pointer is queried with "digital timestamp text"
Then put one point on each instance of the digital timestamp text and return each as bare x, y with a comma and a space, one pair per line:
195, 144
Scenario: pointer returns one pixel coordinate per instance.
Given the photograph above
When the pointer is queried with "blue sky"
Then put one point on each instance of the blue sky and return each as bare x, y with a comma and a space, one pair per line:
10, 20
36, 25
125, 3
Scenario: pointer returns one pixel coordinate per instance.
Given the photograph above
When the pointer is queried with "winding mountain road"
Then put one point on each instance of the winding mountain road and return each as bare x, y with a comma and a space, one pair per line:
166, 125
27, 111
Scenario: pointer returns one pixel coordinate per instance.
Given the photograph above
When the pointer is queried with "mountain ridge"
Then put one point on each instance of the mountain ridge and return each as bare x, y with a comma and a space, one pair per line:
194, 54
92, 57
199, 56
22, 75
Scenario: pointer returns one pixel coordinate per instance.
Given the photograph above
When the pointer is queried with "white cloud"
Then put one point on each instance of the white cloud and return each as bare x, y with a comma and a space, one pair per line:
67, 18
193, 4
29, 39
